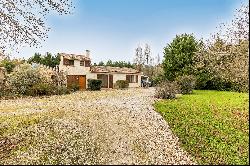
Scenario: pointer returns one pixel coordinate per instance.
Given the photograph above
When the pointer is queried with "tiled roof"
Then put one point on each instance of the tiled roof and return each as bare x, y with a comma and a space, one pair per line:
74, 56
109, 69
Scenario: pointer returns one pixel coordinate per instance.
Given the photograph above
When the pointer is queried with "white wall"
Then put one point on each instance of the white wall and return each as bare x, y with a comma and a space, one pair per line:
123, 77
118, 77
74, 70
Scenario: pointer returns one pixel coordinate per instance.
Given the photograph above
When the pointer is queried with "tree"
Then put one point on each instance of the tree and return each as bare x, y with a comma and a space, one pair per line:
23, 22
147, 53
178, 56
48, 59
8, 64
139, 58
36, 58
158, 59
238, 29
101, 63
109, 63
223, 63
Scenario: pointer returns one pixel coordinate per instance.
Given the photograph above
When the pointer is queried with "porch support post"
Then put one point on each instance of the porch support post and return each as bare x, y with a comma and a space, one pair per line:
108, 80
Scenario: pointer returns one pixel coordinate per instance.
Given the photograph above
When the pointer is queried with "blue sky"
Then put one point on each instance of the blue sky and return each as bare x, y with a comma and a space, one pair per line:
112, 29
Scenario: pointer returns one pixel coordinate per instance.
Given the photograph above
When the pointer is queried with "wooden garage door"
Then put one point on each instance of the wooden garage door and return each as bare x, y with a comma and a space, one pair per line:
79, 80
82, 82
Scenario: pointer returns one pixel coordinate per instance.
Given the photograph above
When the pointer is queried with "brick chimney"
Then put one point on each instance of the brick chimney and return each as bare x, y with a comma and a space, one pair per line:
87, 53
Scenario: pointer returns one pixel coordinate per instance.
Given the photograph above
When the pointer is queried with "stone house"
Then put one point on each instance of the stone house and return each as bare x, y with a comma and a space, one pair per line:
78, 70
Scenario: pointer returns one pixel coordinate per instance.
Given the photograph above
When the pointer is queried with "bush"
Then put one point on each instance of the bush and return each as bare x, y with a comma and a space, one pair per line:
26, 80
122, 84
73, 87
186, 83
8, 65
41, 89
157, 80
22, 79
167, 90
61, 90
94, 84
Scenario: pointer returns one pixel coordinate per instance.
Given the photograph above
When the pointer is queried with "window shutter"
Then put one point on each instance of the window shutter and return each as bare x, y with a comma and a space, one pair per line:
127, 78
87, 63
65, 61
136, 78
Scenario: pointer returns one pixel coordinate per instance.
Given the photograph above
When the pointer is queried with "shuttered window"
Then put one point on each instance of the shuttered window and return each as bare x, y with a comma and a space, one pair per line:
68, 62
65, 61
81, 63
87, 63
132, 78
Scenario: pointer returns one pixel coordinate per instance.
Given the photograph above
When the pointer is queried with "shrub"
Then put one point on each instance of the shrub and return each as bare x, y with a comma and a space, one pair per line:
8, 65
42, 89
122, 84
167, 90
186, 83
94, 84
22, 79
157, 79
61, 90
73, 87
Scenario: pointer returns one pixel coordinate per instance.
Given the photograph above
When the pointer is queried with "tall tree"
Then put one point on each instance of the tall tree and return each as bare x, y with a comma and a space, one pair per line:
109, 63
178, 56
48, 59
238, 29
139, 58
23, 22
101, 63
147, 53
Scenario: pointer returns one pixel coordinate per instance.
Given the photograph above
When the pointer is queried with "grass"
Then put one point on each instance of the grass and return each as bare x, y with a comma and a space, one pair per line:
212, 125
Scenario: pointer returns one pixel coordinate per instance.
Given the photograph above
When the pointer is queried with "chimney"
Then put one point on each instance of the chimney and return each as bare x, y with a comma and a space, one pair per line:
87, 53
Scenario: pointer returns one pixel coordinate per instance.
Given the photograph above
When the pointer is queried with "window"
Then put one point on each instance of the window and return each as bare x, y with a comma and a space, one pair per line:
104, 79
68, 62
65, 61
132, 78
71, 62
81, 63
87, 63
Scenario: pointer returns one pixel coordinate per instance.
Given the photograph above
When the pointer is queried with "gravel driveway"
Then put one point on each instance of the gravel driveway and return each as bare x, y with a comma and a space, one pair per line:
106, 127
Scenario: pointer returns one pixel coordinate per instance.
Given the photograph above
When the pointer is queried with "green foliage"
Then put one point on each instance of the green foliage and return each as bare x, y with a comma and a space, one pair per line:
101, 63
116, 64
167, 90
186, 83
212, 126
73, 87
9, 65
156, 80
178, 56
61, 90
94, 84
30, 81
222, 66
122, 84
42, 89
48, 59
24, 78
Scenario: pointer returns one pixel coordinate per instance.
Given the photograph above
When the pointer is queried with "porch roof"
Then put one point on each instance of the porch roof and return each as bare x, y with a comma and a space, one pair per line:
75, 56
109, 69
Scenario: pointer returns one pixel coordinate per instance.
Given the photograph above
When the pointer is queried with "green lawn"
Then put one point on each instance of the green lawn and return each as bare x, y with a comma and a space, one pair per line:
211, 125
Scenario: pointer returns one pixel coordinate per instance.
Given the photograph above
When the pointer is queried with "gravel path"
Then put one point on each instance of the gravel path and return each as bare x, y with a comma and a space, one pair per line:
106, 127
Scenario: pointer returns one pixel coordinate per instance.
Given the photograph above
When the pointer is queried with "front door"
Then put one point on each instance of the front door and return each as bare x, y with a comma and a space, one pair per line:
82, 82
